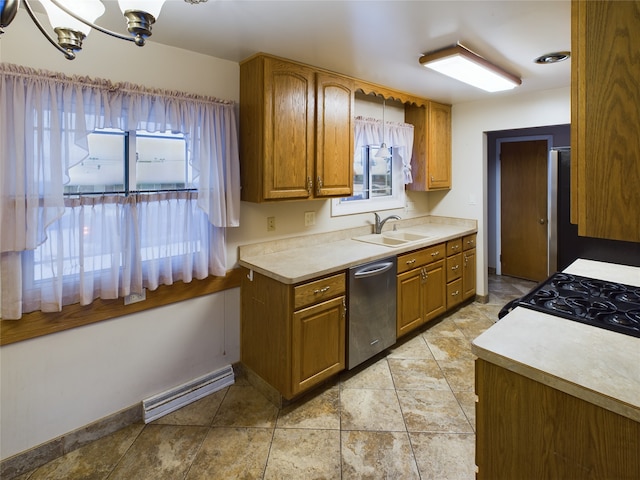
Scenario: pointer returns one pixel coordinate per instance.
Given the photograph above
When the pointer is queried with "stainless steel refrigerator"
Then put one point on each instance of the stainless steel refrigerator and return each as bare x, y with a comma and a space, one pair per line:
564, 243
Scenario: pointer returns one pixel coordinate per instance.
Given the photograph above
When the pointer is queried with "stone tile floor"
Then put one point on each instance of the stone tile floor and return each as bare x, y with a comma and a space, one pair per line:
409, 414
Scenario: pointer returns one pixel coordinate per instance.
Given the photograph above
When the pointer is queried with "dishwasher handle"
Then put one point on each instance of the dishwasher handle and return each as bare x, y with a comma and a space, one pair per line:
371, 270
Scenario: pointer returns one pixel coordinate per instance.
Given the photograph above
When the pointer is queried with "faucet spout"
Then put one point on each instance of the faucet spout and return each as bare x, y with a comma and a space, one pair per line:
380, 223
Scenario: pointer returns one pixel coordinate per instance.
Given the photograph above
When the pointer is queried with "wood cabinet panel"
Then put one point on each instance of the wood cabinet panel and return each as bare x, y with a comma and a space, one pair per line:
469, 242
277, 105
419, 258
454, 267
605, 117
318, 340
525, 429
431, 157
468, 274
454, 293
420, 296
319, 290
296, 131
334, 136
292, 349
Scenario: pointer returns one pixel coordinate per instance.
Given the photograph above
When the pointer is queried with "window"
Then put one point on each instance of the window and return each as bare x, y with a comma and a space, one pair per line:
378, 183
96, 203
122, 162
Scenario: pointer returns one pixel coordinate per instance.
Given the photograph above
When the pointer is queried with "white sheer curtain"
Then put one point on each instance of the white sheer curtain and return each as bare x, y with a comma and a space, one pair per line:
369, 131
53, 254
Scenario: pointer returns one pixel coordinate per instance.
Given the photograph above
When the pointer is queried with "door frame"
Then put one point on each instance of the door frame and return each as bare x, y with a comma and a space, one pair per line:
498, 230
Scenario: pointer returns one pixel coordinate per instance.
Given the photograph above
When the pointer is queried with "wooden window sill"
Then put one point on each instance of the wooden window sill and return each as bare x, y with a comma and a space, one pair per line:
37, 324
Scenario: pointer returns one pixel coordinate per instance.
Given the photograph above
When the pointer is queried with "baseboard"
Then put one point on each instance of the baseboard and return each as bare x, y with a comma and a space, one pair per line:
37, 456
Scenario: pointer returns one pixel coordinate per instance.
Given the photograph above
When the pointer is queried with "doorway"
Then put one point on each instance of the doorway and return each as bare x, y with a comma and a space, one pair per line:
523, 209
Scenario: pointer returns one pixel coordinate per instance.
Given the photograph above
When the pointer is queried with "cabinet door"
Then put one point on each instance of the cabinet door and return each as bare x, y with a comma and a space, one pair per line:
410, 299
605, 119
288, 130
334, 136
318, 343
468, 273
439, 146
434, 290
431, 156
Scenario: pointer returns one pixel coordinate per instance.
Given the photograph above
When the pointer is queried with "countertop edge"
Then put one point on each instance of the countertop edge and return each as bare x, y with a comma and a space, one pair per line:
365, 252
602, 400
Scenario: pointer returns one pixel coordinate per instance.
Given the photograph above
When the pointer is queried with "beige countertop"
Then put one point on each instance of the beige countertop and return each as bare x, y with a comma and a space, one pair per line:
591, 363
297, 259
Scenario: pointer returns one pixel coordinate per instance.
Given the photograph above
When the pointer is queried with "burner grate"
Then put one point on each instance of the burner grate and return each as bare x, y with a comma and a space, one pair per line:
608, 305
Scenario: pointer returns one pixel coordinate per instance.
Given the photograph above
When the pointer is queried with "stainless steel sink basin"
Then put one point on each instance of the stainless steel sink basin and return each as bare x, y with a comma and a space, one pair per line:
392, 239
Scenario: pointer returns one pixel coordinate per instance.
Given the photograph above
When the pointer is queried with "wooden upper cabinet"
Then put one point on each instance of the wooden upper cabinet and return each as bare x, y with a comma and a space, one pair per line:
286, 151
431, 158
334, 135
277, 128
605, 119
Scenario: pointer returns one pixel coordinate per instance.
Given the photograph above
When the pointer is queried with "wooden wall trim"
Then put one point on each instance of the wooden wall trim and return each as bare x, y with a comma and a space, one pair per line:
37, 324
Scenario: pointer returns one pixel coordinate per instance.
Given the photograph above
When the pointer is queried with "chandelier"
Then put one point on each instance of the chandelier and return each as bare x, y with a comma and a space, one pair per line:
72, 20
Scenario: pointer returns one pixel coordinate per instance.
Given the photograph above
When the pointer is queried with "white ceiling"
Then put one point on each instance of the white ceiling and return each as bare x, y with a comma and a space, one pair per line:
378, 41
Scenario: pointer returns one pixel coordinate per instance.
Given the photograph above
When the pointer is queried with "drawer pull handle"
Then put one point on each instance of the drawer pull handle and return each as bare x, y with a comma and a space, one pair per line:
321, 290
411, 262
455, 267
436, 253
457, 292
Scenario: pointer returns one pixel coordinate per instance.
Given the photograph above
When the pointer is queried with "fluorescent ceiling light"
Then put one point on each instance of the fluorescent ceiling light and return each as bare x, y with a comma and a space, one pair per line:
464, 65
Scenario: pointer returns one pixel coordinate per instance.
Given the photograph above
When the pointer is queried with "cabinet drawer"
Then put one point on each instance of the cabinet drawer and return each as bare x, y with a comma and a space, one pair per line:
454, 246
454, 267
454, 293
419, 258
469, 242
318, 290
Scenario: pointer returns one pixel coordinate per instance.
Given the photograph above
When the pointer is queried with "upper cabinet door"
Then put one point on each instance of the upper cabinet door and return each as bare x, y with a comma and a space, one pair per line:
605, 119
277, 128
334, 135
439, 156
289, 130
431, 159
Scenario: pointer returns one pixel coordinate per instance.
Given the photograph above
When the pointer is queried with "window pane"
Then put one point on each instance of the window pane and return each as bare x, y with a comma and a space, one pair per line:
103, 170
162, 162
381, 180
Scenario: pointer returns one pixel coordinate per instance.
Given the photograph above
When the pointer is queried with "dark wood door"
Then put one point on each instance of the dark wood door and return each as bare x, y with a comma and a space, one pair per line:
523, 209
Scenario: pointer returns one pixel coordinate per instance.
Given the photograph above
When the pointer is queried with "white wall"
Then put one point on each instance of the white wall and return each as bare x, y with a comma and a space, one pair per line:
468, 197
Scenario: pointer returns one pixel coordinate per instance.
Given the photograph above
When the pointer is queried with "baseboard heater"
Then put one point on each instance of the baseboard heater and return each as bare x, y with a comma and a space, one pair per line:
182, 395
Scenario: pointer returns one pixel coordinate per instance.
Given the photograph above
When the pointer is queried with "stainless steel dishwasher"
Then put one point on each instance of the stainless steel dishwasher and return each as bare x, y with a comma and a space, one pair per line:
372, 310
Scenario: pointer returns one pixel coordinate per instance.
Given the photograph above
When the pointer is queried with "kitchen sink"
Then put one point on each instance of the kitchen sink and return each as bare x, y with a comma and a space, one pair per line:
392, 239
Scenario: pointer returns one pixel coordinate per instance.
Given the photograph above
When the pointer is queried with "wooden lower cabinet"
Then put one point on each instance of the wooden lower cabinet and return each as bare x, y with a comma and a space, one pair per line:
420, 287
293, 336
454, 273
420, 296
469, 266
527, 430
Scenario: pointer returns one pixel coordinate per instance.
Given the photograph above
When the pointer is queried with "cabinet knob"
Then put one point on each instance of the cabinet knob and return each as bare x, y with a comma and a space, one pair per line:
542, 221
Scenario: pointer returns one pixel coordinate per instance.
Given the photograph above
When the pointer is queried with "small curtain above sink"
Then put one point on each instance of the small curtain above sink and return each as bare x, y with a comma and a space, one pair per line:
399, 136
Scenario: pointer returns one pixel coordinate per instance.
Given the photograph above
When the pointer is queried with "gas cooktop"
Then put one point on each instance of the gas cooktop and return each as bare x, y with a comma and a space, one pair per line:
608, 305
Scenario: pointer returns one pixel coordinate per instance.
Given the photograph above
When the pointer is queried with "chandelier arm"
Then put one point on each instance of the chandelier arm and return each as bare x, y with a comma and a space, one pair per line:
90, 24
67, 53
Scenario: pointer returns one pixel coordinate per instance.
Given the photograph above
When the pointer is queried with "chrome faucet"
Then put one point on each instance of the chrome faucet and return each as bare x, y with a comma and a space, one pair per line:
380, 223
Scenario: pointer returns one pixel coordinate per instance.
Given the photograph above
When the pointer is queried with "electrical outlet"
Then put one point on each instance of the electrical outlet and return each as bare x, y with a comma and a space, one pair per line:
309, 219
135, 297
271, 224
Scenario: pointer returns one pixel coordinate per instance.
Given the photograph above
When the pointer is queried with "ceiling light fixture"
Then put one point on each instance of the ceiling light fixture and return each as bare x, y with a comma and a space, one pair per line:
466, 66
553, 57
72, 20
